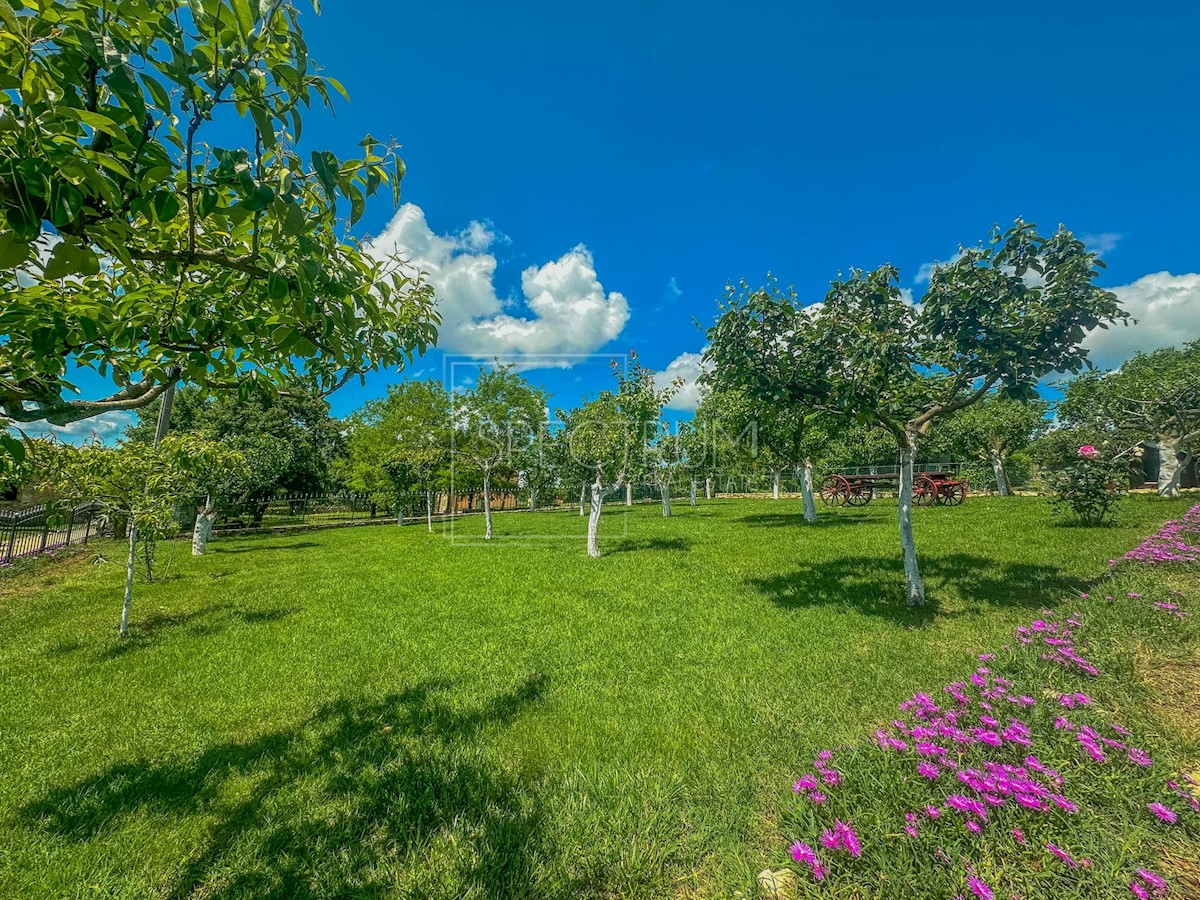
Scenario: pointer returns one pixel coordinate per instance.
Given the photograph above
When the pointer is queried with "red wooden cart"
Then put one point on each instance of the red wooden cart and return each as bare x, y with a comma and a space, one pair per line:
945, 488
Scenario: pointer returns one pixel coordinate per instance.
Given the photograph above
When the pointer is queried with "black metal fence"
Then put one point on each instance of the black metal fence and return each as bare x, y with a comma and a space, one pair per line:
37, 529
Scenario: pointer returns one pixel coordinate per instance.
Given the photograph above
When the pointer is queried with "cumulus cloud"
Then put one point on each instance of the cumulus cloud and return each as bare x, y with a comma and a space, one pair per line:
564, 310
106, 428
688, 367
1167, 308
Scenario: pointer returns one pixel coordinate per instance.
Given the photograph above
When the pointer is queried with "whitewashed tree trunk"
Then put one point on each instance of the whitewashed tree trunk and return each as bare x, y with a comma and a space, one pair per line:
399, 510
664, 491
774, 485
1170, 468
593, 536
487, 506
128, 602
692, 494
707, 487
998, 471
915, 590
429, 509
532, 498
582, 500
629, 495
206, 517
806, 491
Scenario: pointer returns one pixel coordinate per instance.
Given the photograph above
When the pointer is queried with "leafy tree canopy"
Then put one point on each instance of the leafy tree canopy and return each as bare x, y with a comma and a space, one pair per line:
134, 248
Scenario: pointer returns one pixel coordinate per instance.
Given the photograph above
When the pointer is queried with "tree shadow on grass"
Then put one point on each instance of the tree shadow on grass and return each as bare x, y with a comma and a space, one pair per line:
632, 545
144, 631
364, 799
796, 519
252, 544
875, 586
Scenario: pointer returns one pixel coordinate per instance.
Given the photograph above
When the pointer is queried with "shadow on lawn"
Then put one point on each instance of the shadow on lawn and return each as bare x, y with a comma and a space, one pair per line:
796, 519
632, 545
364, 799
212, 619
876, 586
254, 545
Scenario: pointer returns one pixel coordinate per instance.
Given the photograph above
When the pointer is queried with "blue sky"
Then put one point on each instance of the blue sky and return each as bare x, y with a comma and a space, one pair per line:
603, 172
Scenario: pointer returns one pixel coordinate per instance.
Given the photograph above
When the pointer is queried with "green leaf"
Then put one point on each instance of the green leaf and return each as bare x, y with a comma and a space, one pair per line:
97, 121
13, 250
277, 287
245, 17
69, 258
326, 166
166, 206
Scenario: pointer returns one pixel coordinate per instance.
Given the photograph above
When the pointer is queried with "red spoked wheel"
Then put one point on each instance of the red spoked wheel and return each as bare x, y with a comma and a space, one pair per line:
925, 491
952, 493
860, 494
835, 491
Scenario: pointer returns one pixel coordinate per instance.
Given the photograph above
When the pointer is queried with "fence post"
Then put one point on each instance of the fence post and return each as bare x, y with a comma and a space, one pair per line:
87, 529
70, 525
45, 530
12, 537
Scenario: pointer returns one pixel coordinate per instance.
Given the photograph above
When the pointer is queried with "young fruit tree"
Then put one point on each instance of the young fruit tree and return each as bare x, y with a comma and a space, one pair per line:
665, 457
235, 482
992, 430
400, 442
1153, 398
131, 247
1001, 315
140, 482
493, 425
609, 436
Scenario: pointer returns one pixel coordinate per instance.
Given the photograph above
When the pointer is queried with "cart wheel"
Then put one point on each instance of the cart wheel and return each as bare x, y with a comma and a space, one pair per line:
835, 491
859, 495
925, 491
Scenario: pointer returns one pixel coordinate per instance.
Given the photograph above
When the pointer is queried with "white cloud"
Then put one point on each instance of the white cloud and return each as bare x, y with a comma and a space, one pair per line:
1102, 243
566, 309
688, 367
1167, 308
925, 272
105, 428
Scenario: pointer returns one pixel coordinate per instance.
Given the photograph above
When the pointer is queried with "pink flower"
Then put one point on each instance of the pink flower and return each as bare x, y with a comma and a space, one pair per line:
1163, 812
1018, 835
1087, 451
928, 770
803, 853
1139, 757
979, 888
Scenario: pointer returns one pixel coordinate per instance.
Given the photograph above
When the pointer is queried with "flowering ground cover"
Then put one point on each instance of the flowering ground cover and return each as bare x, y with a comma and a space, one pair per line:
1044, 772
383, 713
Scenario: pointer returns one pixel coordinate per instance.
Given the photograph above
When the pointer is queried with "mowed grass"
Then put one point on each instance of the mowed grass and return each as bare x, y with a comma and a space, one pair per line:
382, 712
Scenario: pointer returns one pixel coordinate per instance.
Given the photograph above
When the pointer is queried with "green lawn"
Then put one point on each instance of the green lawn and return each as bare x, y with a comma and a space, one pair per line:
381, 712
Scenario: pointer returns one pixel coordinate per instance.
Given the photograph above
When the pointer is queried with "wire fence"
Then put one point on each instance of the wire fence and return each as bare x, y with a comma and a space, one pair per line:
38, 529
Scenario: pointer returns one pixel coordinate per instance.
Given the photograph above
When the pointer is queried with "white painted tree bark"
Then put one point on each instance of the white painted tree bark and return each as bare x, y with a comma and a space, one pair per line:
206, 517
664, 491
806, 491
1170, 467
593, 535
774, 485
692, 494
532, 498
487, 505
998, 471
707, 487
582, 500
429, 509
629, 495
129, 561
915, 588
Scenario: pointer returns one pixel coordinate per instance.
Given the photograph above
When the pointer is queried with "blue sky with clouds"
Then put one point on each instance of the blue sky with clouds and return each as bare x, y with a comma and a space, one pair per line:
586, 178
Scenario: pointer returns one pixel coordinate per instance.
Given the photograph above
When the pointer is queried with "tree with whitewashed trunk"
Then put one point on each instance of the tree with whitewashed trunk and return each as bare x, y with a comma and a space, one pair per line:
400, 443
1153, 398
143, 483
1002, 315
665, 458
609, 435
777, 437
992, 430
721, 439
234, 481
493, 425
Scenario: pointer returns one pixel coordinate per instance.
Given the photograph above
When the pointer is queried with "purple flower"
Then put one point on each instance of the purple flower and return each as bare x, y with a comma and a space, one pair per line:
805, 783
928, 770
1139, 757
803, 853
849, 838
1063, 855
979, 888
1018, 835
1163, 812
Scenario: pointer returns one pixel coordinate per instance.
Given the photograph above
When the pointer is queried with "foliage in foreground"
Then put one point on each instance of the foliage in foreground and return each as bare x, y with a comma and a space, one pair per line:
1039, 775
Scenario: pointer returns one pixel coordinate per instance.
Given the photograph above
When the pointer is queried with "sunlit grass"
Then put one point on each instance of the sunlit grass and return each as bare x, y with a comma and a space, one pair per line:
381, 712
